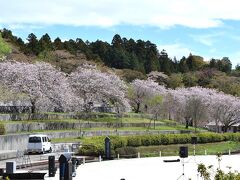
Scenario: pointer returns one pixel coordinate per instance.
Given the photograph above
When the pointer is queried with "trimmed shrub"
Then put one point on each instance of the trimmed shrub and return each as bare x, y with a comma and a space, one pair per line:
118, 141
91, 150
155, 140
164, 139
146, 140
134, 141
121, 142
2, 129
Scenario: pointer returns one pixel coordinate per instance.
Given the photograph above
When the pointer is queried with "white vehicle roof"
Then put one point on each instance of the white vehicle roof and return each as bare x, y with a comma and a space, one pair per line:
39, 135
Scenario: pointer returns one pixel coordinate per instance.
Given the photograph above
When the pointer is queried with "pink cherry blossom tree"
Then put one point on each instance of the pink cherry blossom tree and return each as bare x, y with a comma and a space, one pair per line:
192, 104
46, 86
141, 90
224, 110
94, 86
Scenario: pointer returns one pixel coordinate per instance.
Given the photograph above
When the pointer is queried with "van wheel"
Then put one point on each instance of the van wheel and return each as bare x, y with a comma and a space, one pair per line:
43, 151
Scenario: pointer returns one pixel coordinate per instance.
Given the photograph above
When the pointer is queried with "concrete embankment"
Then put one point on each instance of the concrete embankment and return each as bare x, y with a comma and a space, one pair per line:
35, 126
63, 116
19, 141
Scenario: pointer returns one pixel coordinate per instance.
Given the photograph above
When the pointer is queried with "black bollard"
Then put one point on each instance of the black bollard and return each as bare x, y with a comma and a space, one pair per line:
51, 166
74, 166
65, 167
107, 148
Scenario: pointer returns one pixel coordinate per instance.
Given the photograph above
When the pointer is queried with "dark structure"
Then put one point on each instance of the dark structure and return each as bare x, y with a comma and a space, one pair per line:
51, 166
107, 148
74, 166
65, 166
194, 140
183, 151
24, 176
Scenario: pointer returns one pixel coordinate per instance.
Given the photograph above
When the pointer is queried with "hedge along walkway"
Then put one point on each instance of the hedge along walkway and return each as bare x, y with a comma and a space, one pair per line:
95, 145
11, 141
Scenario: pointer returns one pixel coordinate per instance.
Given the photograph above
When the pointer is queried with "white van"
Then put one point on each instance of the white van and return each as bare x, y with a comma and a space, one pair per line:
39, 143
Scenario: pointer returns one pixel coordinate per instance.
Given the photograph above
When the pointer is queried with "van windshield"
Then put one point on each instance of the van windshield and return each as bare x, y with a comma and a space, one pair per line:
34, 139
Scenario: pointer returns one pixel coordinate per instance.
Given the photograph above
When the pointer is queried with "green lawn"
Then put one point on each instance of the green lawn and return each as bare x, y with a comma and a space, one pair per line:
157, 128
173, 150
66, 140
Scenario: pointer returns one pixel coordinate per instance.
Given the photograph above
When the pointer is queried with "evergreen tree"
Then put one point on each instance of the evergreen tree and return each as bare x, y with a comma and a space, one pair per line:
117, 41
118, 58
45, 43
225, 65
32, 45
70, 46
183, 65
7, 34
57, 44
165, 62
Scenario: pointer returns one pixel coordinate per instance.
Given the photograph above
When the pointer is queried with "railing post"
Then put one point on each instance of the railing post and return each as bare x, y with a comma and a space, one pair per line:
160, 153
205, 152
118, 156
84, 160
229, 152
138, 154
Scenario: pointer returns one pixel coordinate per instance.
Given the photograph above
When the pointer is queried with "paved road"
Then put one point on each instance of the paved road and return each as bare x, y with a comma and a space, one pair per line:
26, 160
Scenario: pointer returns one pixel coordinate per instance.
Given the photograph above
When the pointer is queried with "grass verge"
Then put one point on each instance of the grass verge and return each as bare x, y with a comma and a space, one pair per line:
173, 150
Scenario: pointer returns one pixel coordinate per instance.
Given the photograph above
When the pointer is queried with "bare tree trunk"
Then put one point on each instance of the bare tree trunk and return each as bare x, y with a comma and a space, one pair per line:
138, 107
154, 123
33, 102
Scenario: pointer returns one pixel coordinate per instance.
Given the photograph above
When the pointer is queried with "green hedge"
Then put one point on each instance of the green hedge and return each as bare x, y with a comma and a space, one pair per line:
96, 146
2, 129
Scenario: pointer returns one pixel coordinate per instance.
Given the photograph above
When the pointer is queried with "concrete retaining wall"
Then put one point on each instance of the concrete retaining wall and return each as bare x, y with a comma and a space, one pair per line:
19, 141
58, 116
33, 126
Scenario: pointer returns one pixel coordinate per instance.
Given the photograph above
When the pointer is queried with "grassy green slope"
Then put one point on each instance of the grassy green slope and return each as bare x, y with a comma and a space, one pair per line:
4, 47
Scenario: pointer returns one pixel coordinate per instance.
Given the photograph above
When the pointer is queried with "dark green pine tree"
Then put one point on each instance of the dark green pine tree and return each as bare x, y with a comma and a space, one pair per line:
45, 43
166, 64
57, 44
100, 48
117, 41
70, 46
183, 68
213, 63
32, 45
118, 58
152, 62
225, 65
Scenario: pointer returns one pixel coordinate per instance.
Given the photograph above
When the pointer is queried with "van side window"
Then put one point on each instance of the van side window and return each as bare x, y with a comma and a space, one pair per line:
43, 139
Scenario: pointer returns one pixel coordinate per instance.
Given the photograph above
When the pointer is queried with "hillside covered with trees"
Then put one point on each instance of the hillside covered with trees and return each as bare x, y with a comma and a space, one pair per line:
72, 76
134, 59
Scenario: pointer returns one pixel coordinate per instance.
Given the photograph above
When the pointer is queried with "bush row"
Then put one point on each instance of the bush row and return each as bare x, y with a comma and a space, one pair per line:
2, 129
95, 145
